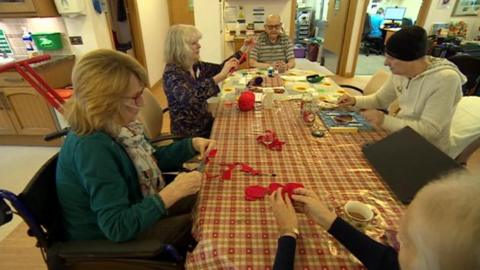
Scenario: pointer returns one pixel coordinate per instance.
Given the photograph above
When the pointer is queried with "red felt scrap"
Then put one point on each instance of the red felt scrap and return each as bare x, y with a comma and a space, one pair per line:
290, 187
255, 192
270, 140
274, 186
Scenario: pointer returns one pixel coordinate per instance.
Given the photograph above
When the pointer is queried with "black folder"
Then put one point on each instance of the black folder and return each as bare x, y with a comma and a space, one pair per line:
406, 161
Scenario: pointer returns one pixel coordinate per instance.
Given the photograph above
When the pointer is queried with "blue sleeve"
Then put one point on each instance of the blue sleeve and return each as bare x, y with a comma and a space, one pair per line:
372, 254
285, 257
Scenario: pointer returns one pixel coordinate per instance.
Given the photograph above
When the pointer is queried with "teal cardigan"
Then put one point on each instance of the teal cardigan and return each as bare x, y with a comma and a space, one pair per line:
98, 188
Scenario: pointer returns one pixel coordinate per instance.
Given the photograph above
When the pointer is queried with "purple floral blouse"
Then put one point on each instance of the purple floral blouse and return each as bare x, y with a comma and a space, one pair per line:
187, 98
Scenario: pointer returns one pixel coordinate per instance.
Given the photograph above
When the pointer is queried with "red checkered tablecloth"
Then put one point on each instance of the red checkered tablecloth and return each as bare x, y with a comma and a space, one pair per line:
234, 233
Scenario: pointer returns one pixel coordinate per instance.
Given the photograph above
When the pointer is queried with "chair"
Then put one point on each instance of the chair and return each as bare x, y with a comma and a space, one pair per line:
374, 44
38, 205
465, 129
470, 67
151, 116
407, 22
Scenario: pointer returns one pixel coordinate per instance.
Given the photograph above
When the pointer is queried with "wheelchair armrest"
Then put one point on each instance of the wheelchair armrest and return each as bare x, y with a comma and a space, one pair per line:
56, 134
98, 249
352, 87
165, 137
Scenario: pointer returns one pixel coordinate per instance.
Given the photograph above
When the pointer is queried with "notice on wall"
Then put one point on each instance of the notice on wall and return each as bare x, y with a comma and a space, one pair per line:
230, 14
4, 45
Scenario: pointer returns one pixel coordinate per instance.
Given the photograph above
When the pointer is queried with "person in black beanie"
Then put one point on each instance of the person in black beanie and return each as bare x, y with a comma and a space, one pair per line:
427, 88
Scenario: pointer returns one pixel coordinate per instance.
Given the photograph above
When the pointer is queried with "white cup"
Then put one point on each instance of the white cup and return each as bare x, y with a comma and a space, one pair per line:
212, 103
358, 214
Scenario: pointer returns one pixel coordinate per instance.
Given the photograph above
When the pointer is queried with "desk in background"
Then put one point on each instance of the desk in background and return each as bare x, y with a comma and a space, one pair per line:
237, 234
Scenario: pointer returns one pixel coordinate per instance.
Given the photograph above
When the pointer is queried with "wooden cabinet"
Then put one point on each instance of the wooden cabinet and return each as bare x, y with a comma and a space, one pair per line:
28, 112
27, 8
25, 116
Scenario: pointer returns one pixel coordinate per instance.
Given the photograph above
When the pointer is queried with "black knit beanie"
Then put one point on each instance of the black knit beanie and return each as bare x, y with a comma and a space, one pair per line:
407, 44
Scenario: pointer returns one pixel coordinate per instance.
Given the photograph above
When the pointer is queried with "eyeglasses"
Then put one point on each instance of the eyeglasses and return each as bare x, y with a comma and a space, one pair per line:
272, 27
137, 98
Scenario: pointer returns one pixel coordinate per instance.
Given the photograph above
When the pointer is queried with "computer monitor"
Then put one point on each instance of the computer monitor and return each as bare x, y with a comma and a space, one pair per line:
394, 14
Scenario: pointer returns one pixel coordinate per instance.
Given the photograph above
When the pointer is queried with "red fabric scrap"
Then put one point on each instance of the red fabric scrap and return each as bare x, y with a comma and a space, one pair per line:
274, 186
270, 140
290, 188
255, 192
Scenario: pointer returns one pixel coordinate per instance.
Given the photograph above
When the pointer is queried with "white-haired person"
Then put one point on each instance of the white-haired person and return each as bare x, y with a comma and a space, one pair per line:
427, 88
108, 176
273, 48
188, 82
439, 231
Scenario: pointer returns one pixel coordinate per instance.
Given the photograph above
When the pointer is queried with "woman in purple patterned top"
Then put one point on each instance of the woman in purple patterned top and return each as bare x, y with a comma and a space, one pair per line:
189, 82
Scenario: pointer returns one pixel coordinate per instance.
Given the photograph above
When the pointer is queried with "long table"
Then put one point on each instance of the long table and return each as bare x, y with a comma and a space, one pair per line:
234, 233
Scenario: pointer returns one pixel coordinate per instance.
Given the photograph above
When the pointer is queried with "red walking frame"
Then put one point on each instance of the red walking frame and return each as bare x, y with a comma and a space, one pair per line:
36, 81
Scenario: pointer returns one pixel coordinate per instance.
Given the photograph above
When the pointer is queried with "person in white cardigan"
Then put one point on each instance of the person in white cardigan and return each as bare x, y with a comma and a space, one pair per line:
428, 90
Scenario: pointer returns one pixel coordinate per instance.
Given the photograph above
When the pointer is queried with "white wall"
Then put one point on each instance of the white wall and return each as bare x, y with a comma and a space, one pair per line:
280, 7
93, 29
154, 22
443, 15
209, 22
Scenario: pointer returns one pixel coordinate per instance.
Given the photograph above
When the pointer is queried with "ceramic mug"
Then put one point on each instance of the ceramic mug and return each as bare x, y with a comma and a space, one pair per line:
358, 214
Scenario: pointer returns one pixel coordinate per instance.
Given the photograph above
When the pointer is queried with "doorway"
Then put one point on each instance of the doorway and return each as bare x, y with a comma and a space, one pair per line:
382, 19
124, 24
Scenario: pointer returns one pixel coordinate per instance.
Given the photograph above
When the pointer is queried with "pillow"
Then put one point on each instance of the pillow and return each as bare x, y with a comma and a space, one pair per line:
465, 127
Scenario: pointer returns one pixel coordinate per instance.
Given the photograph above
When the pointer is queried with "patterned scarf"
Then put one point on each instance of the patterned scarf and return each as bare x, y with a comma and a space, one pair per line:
141, 153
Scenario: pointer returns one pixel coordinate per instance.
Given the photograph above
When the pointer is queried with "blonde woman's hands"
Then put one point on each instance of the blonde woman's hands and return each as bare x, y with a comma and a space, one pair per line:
202, 146
309, 203
284, 213
183, 185
346, 101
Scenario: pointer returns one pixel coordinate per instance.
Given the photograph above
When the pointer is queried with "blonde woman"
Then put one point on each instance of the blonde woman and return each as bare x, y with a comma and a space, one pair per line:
189, 82
440, 229
109, 179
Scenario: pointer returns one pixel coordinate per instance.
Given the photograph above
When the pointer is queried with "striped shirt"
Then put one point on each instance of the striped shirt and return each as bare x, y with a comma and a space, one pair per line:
267, 52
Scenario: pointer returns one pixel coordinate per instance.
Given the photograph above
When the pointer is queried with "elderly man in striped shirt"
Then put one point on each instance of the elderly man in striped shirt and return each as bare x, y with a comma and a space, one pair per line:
273, 48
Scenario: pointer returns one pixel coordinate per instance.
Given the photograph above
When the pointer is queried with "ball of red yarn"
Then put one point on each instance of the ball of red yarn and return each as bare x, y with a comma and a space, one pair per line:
246, 101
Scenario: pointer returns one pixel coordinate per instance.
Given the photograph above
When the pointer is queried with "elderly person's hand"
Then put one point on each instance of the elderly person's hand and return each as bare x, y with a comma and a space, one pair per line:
228, 67
375, 117
202, 146
280, 66
284, 213
346, 101
313, 207
183, 185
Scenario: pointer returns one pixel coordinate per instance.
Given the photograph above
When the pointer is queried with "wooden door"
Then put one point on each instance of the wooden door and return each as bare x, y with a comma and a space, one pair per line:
181, 12
6, 125
334, 33
29, 112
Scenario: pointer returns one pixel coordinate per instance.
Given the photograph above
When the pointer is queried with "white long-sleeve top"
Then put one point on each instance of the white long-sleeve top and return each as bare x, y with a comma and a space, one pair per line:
427, 102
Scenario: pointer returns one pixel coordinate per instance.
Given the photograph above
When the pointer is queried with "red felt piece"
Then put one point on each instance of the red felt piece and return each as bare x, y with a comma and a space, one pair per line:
290, 187
257, 192
270, 140
274, 186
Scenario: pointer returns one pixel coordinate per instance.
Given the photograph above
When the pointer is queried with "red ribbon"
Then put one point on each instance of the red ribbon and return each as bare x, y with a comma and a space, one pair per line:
244, 167
270, 140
